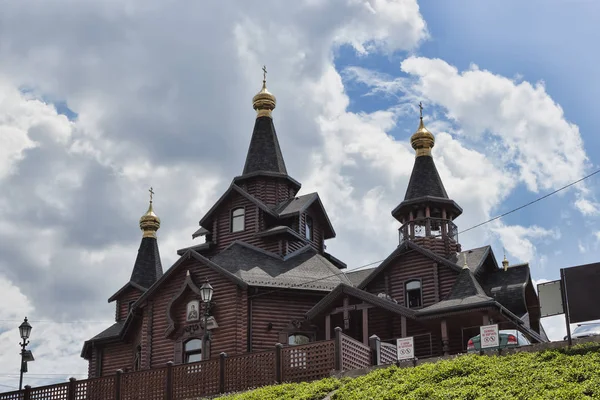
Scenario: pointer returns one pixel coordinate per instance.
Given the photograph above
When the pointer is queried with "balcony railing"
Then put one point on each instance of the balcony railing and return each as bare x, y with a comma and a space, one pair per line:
428, 227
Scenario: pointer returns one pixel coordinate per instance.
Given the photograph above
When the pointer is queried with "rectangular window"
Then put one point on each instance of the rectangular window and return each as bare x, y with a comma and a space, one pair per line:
237, 220
309, 228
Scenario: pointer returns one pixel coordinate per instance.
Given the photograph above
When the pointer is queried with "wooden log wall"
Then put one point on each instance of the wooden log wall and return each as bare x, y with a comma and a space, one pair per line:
117, 356
277, 309
130, 294
229, 312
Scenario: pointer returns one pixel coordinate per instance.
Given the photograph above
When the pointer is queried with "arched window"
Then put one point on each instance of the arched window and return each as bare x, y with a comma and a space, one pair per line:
193, 350
237, 220
297, 339
413, 293
309, 228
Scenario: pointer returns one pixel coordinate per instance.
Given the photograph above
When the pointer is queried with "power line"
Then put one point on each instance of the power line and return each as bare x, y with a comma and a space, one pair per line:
460, 232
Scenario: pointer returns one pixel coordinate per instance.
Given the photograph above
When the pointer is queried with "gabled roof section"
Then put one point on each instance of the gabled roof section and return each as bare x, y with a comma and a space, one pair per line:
356, 277
304, 269
235, 188
281, 230
111, 333
300, 204
508, 287
425, 180
189, 254
405, 247
125, 287
466, 285
475, 257
346, 290
264, 153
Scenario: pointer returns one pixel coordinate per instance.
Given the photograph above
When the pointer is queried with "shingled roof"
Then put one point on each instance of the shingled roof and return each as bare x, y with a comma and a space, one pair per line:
110, 333
303, 269
356, 277
475, 257
508, 287
264, 153
425, 180
147, 268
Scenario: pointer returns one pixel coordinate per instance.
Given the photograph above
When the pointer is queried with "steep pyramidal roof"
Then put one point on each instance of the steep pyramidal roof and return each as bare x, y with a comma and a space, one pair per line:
264, 153
147, 268
425, 180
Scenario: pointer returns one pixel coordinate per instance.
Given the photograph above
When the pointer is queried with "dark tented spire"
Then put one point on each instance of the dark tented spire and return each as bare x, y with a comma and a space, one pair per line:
425, 180
147, 268
264, 153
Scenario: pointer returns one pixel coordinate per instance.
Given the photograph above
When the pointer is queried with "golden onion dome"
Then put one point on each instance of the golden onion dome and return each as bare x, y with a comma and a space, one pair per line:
149, 222
422, 140
264, 101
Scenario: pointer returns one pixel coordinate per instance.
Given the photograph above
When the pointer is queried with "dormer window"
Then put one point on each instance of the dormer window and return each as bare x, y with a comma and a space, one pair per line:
309, 228
237, 220
413, 293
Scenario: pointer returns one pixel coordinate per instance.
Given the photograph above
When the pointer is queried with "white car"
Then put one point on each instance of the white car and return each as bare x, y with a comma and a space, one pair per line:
585, 330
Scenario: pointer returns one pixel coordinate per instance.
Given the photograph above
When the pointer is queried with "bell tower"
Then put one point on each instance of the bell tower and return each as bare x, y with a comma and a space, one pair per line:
426, 213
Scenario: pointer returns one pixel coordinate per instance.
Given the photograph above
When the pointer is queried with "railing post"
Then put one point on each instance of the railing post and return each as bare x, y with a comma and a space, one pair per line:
222, 358
72, 389
118, 384
278, 363
27, 393
375, 345
338, 348
169, 383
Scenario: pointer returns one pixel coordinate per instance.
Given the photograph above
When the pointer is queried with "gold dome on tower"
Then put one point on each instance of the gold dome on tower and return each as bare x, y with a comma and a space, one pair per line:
264, 101
149, 222
422, 140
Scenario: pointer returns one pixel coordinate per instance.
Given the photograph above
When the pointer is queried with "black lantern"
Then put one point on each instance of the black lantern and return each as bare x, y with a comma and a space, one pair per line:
25, 329
206, 292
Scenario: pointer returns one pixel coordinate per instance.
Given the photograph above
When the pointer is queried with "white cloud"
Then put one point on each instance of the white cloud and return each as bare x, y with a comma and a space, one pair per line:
518, 239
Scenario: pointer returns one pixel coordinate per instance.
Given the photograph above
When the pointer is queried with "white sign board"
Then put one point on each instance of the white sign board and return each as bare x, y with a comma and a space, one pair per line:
489, 336
405, 348
550, 298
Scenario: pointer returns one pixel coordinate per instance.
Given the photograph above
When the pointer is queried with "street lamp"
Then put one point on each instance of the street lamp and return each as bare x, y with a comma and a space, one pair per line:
26, 355
206, 293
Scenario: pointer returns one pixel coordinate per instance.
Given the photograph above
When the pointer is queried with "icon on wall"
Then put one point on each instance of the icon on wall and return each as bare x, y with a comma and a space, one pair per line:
193, 313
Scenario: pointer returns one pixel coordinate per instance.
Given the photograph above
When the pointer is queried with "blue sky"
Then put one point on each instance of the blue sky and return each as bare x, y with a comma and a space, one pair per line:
124, 96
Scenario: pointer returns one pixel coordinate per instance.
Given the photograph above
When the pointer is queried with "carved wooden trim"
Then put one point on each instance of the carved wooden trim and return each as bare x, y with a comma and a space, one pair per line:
187, 284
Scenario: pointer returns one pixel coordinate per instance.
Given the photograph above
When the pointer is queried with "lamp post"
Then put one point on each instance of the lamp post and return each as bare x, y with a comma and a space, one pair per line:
26, 356
206, 293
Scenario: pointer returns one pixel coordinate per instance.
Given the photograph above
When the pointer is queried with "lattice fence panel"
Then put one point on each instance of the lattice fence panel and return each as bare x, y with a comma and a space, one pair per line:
96, 389
389, 353
249, 371
144, 385
308, 362
194, 380
16, 395
54, 392
355, 355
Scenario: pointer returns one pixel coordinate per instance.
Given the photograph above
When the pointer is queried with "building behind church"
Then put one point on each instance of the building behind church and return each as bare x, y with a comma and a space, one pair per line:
264, 255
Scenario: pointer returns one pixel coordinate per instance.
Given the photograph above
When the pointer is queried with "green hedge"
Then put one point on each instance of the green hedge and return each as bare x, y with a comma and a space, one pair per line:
553, 374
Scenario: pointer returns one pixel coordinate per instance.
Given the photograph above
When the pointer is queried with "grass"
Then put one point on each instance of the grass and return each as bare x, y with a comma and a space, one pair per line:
552, 374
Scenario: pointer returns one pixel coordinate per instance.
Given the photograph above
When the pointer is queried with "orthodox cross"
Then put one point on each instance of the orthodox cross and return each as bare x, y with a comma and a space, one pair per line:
421, 109
264, 69
151, 193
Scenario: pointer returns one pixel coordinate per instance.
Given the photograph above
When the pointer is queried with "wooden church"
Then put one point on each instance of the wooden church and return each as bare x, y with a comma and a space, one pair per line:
262, 275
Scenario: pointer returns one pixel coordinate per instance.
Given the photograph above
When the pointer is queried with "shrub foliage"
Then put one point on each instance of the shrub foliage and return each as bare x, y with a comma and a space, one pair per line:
552, 374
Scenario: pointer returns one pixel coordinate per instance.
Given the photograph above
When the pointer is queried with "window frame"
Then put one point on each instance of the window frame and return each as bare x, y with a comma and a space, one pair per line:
187, 353
406, 283
242, 217
137, 358
309, 228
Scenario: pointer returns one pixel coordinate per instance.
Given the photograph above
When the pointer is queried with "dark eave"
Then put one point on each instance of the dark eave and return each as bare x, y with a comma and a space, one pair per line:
344, 289
198, 248
334, 260
281, 230
406, 246
241, 178
411, 204
234, 188
200, 232
125, 287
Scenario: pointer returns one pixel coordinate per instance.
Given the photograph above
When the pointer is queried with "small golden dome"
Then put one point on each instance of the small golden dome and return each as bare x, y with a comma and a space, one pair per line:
422, 140
149, 222
264, 101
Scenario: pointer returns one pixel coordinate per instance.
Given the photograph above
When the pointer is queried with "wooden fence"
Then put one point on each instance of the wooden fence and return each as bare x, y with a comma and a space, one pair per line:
220, 375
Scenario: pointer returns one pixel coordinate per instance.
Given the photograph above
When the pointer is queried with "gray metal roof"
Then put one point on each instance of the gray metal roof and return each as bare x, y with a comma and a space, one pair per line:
304, 269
